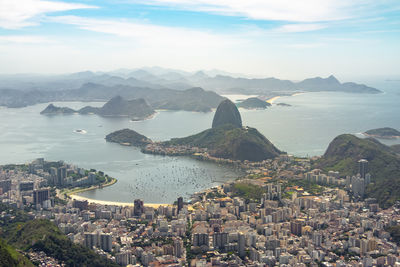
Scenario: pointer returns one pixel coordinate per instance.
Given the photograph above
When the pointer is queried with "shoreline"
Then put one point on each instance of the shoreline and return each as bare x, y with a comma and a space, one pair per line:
273, 99
115, 203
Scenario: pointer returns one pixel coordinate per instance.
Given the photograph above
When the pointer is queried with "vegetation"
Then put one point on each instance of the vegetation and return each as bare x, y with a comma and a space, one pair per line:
10, 257
230, 142
248, 191
24, 233
137, 109
385, 132
254, 103
128, 136
384, 165
310, 187
394, 233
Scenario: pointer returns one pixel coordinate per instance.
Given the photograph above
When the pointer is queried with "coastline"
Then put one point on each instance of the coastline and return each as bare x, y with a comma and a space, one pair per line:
272, 99
115, 203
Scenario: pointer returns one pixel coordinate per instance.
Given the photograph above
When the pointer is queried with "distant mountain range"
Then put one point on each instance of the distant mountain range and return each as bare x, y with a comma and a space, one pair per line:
148, 83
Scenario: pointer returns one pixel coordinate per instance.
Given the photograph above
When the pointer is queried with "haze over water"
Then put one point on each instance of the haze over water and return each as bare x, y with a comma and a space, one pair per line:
305, 128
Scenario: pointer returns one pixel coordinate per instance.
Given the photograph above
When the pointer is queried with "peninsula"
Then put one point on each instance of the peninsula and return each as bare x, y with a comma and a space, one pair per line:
227, 140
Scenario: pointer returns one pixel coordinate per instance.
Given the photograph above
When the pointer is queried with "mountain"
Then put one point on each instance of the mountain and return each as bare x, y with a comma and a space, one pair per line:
384, 165
230, 142
254, 103
23, 90
118, 106
43, 235
227, 113
396, 148
136, 109
265, 86
384, 133
53, 110
128, 137
226, 139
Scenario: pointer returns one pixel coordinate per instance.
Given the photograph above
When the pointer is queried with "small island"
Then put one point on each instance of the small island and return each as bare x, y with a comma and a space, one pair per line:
283, 105
128, 137
383, 133
53, 110
136, 109
253, 103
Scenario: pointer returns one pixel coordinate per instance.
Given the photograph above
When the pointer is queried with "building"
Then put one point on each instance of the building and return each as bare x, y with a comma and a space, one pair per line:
241, 245
178, 247
363, 167
138, 207
40, 195
180, 203
106, 242
295, 228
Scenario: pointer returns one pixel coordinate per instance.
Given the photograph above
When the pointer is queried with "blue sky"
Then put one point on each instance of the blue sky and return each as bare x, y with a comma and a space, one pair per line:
283, 38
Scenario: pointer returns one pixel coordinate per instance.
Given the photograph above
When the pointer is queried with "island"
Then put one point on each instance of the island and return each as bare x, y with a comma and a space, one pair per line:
53, 110
128, 137
227, 141
253, 103
136, 109
283, 105
383, 133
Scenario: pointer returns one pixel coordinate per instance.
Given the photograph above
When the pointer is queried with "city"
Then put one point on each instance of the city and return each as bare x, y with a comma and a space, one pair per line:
263, 219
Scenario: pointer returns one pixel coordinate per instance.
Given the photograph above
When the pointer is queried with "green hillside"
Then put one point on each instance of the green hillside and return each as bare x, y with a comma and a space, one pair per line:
128, 136
23, 233
384, 165
230, 142
10, 257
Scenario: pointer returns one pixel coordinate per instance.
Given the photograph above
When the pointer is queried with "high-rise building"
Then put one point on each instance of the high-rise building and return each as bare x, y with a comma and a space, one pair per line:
220, 240
363, 167
106, 242
91, 240
295, 228
241, 245
178, 247
180, 203
138, 207
40, 195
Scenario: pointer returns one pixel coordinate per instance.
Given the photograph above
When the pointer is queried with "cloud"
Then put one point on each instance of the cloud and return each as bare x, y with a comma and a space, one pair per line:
291, 28
148, 34
16, 14
24, 39
282, 10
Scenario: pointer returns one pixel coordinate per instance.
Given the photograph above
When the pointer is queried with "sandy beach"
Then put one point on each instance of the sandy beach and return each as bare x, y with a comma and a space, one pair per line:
271, 100
115, 203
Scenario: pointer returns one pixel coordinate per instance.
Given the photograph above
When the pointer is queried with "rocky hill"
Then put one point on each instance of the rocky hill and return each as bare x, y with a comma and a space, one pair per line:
254, 103
227, 113
230, 142
128, 137
53, 110
118, 106
384, 165
383, 133
136, 109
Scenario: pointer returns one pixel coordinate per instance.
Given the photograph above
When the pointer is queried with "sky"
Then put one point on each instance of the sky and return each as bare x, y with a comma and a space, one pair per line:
286, 39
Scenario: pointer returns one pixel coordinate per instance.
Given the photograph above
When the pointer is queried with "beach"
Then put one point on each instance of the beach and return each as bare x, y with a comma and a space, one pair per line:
271, 100
115, 203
